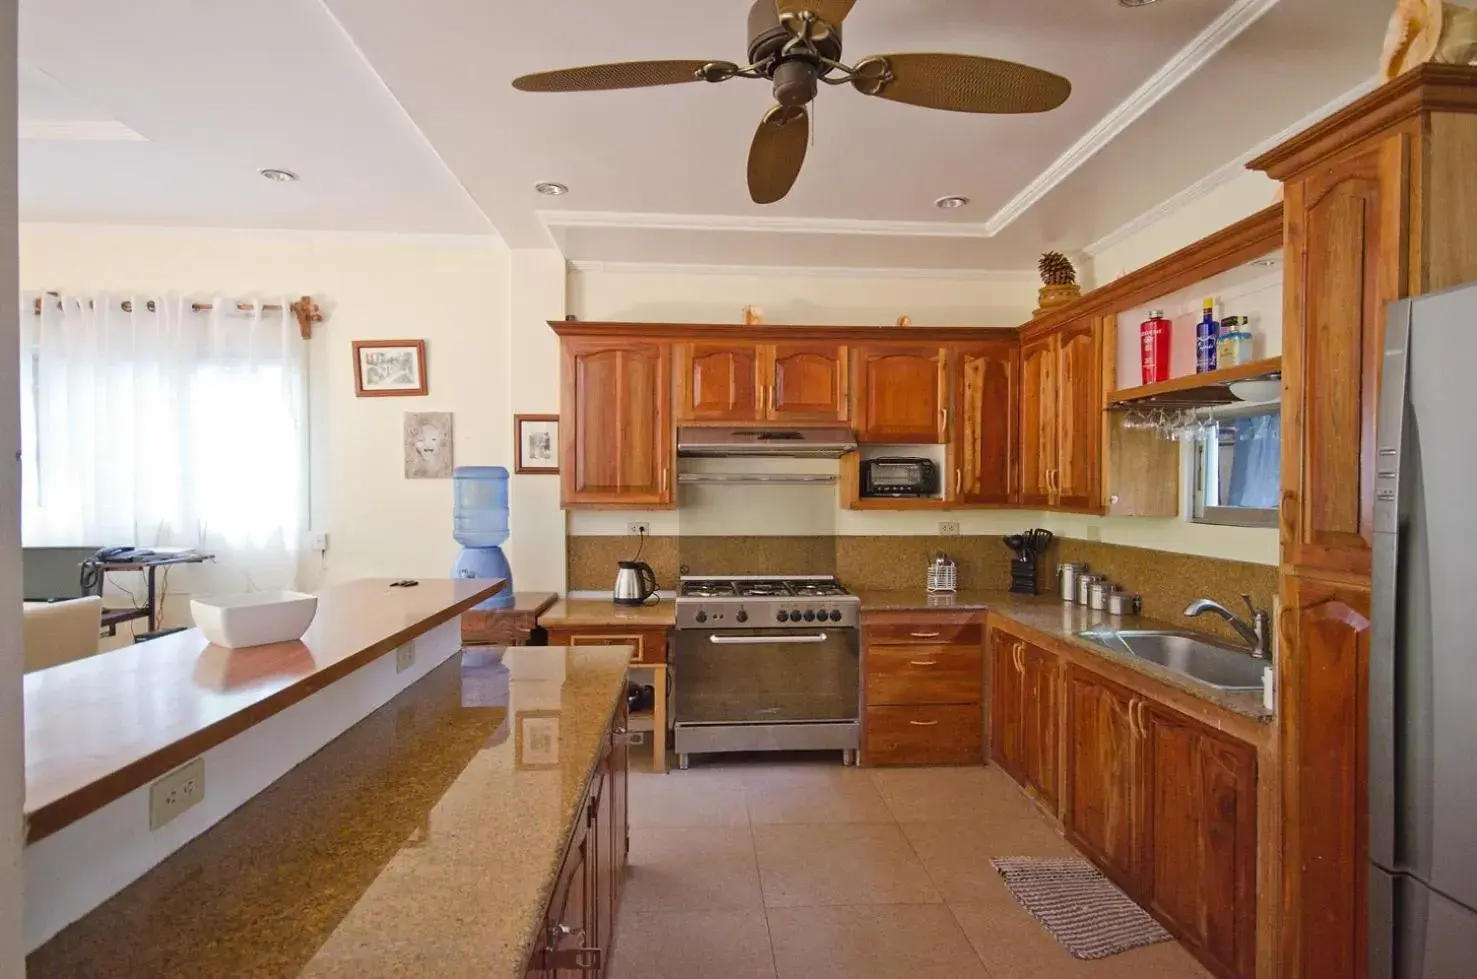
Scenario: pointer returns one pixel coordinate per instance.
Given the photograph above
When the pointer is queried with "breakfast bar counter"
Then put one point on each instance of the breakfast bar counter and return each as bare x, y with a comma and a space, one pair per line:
425, 841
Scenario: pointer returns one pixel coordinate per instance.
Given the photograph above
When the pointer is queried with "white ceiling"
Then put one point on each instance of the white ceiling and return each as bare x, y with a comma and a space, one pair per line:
400, 117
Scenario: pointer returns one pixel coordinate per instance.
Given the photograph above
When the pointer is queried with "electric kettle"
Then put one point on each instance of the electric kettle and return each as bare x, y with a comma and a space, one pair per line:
635, 583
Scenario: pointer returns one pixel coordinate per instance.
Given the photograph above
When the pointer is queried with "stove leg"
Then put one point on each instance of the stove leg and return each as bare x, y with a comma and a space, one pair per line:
682, 762
848, 757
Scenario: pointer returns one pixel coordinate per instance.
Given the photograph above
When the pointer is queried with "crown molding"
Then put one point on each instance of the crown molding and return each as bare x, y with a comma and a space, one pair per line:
758, 223
78, 130
265, 235
1188, 60
1225, 173
1026, 277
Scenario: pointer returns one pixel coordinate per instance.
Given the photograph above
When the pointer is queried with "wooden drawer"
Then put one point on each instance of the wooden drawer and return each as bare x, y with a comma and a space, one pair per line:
923, 674
649, 645
939, 735
943, 629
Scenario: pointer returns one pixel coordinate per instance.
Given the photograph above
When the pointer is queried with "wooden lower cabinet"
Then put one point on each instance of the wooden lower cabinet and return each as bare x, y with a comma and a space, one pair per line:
1007, 706
579, 925
1101, 814
922, 689
938, 734
1024, 714
649, 646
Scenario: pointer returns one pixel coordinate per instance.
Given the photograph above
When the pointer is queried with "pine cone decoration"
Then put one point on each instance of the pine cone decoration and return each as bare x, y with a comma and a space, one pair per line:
1056, 270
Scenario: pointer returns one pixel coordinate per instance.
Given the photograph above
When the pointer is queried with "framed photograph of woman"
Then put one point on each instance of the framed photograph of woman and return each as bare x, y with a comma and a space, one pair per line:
537, 438
390, 368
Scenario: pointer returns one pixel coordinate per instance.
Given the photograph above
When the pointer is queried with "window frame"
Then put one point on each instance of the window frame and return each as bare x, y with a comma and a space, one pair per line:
1200, 466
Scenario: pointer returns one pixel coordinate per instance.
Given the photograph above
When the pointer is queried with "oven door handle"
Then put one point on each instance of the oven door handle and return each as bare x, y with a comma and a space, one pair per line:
764, 640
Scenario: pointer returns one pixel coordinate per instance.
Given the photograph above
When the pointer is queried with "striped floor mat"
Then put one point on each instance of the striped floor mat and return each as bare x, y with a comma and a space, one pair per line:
1084, 911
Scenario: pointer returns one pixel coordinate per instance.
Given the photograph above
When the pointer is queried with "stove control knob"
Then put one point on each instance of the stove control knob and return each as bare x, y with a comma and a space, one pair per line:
835, 615
741, 616
701, 616
781, 616
809, 615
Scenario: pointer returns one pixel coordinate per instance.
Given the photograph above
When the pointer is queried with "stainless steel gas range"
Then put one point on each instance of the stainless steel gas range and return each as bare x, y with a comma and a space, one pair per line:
766, 664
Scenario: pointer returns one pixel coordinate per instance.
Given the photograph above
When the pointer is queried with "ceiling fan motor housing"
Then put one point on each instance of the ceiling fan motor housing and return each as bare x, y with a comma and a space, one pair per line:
767, 36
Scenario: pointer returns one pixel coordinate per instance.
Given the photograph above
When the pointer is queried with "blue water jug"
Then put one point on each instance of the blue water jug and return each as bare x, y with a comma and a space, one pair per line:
479, 516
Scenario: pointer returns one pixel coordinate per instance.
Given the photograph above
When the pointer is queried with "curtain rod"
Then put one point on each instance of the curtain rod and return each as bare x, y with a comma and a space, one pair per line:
305, 310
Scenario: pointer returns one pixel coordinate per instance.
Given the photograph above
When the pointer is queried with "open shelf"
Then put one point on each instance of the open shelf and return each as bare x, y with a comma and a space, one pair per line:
1193, 390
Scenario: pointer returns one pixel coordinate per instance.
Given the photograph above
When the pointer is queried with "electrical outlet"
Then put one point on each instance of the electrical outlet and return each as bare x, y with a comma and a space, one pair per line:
176, 792
949, 528
316, 541
1094, 531
405, 657
638, 528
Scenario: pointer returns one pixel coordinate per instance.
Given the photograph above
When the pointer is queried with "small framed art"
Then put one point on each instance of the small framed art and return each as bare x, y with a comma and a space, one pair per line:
390, 368
537, 438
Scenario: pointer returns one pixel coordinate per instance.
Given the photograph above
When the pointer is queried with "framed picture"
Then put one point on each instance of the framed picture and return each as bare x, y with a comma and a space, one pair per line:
389, 368
537, 437
428, 445
536, 739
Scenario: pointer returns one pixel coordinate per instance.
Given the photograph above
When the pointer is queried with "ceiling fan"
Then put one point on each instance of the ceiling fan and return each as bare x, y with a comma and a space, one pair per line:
796, 44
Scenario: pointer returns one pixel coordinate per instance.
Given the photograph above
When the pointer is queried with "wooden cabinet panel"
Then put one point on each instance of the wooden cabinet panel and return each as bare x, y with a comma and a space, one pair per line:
1007, 721
1103, 790
1200, 839
903, 394
1346, 228
945, 628
1323, 706
1038, 398
718, 382
649, 646
985, 431
616, 423
806, 382
1078, 417
1040, 683
938, 734
923, 674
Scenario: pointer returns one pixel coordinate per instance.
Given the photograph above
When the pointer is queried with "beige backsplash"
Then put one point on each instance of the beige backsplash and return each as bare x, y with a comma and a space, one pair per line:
1166, 580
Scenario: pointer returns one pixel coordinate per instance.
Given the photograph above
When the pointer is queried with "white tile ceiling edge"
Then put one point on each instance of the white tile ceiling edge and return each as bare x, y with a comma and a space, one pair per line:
262, 235
1188, 60
759, 222
1002, 276
1226, 172
84, 130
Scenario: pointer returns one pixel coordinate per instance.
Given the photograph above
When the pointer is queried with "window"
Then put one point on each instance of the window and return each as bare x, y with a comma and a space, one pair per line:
1238, 470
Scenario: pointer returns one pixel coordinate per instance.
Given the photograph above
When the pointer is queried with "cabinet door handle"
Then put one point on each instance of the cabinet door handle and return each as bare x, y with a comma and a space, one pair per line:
1143, 725
958, 481
923, 662
944, 421
924, 723
664, 480
924, 635
770, 396
1133, 728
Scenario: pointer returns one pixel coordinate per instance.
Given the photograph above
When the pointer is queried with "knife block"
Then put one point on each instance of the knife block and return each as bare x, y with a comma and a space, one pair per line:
1023, 575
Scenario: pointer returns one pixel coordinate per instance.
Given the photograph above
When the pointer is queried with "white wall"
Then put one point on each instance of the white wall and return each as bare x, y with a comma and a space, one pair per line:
12, 729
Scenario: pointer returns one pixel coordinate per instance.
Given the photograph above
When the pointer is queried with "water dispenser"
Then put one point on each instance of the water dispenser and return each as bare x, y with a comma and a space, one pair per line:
479, 521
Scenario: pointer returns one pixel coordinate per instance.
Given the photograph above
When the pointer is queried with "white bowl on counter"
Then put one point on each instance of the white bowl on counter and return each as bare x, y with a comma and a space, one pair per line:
254, 618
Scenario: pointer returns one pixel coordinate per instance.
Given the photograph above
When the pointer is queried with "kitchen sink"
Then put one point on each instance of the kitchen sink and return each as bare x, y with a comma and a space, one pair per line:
1190, 653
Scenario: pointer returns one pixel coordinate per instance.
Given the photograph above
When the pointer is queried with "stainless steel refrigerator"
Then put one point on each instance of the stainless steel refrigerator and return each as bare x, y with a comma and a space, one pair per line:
1423, 651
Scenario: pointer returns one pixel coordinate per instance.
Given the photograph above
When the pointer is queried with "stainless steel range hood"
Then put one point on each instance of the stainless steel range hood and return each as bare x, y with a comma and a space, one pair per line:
773, 442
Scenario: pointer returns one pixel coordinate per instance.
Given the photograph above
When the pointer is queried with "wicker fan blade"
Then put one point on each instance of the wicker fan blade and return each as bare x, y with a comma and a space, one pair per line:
625, 74
961, 83
828, 12
777, 153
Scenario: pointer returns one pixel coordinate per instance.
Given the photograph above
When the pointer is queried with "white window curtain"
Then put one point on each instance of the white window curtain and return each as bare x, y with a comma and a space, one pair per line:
163, 426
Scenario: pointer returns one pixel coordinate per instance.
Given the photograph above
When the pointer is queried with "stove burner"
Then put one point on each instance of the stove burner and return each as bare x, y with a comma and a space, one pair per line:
707, 589
763, 589
818, 590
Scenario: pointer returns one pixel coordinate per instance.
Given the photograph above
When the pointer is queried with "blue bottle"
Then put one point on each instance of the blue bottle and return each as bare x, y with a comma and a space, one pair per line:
1207, 336
479, 523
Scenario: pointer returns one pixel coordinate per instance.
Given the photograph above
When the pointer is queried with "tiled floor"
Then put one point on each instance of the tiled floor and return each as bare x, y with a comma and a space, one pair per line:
806, 870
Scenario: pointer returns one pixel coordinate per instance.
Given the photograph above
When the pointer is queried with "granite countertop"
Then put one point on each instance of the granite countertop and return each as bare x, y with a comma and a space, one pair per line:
1052, 617
423, 842
573, 611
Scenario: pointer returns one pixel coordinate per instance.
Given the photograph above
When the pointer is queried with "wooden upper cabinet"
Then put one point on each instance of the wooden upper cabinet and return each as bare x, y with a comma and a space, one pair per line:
1345, 238
984, 433
807, 382
1079, 417
1038, 399
615, 434
1200, 838
902, 394
718, 382
1101, 811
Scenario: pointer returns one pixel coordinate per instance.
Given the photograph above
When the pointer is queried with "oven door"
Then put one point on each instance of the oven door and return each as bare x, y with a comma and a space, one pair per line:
765, 676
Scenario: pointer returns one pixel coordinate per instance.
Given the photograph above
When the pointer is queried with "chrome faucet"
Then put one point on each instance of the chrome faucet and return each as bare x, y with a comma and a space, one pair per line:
1257, 633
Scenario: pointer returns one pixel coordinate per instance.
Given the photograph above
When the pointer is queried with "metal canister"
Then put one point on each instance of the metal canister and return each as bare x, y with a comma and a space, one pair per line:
1084, 584
1067, 580
1122, 603
1097, 595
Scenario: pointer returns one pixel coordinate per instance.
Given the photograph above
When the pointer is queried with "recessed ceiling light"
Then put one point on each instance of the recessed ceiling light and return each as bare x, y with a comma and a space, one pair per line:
278, 175
551, 189
951, 203
1136, 3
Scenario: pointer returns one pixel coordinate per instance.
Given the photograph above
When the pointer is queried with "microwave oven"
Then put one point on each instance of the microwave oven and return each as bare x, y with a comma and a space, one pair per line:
899, 477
